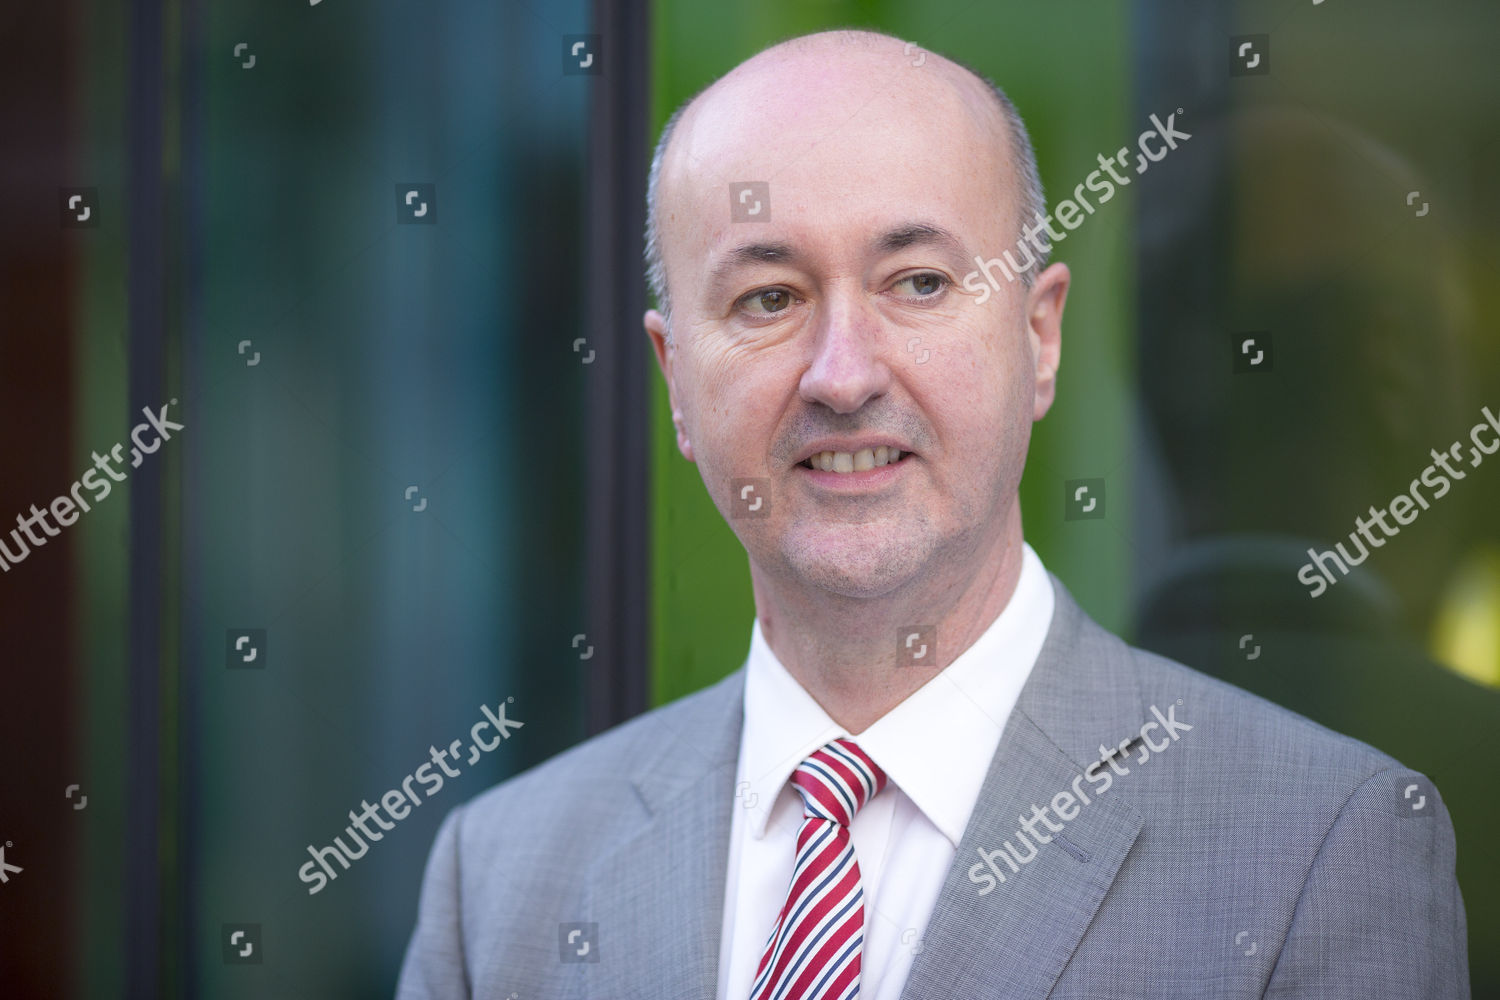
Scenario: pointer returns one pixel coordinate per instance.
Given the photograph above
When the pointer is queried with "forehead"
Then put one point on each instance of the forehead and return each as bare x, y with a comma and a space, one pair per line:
844, 141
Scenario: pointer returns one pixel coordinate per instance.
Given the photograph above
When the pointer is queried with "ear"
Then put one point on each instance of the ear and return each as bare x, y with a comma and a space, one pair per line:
1044, 313
656, 329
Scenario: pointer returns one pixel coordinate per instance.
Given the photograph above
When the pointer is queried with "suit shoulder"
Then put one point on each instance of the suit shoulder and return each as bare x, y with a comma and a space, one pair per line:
605, 765
1252, 725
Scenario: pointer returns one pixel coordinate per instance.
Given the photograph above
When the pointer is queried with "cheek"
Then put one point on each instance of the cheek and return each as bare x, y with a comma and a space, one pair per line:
1010, 374
714, 373
730, 394
986, 390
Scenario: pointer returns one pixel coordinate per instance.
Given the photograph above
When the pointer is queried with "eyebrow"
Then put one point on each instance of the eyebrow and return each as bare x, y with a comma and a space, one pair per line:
752, 253
917, 234
907, 235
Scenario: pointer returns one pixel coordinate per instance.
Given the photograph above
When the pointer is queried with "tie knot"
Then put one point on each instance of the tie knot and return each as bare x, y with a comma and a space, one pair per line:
836, 781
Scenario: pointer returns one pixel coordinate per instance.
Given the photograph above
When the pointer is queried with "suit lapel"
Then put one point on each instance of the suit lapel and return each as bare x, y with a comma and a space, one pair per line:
1015, 939
659, 896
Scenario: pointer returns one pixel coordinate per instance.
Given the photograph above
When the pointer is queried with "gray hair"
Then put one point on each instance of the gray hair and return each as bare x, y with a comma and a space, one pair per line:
1022, 161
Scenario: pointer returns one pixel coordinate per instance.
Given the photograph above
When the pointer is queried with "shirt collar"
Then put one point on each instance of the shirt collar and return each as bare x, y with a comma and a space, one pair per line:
935, 746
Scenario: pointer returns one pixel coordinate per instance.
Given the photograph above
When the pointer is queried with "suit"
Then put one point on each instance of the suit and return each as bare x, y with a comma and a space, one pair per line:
1241, 852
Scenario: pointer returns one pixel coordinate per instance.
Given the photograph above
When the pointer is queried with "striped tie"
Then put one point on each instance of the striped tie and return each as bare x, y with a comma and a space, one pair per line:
814, 950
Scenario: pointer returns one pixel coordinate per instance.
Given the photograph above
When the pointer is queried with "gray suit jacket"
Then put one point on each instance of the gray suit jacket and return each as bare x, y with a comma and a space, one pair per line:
1255, 855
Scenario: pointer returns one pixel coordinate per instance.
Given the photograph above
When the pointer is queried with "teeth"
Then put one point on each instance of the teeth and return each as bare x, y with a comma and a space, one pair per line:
858, 461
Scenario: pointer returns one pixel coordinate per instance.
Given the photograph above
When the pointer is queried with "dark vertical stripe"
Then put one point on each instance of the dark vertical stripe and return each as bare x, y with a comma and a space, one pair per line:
40, 682
194, 251
144, 276
616, 556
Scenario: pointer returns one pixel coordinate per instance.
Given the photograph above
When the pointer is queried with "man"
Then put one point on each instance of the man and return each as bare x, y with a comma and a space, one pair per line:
1043, 811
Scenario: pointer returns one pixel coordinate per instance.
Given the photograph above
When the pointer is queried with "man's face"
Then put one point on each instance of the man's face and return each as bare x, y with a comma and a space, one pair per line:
841, 325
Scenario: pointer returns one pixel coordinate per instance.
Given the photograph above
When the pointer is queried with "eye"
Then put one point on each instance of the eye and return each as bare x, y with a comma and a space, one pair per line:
765, 301
924, 284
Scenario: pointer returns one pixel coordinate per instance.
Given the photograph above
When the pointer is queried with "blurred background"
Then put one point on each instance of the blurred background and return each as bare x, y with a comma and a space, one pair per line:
385, 258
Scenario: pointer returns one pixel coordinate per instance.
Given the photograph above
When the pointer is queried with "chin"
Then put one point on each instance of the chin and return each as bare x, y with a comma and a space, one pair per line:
855, 565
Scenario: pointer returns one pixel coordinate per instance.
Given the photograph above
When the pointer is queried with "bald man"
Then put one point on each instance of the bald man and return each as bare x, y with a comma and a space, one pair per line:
934, 775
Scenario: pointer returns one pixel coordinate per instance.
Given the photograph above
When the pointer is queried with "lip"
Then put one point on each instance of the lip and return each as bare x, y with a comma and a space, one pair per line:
854, 482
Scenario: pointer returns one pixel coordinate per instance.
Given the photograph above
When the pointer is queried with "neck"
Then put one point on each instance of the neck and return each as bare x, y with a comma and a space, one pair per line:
857, 674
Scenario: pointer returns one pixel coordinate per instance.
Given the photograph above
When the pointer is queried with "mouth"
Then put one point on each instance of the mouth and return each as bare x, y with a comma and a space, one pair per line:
851, 463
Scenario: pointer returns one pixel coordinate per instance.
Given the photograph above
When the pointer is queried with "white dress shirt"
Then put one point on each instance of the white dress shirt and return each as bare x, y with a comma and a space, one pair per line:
935, 748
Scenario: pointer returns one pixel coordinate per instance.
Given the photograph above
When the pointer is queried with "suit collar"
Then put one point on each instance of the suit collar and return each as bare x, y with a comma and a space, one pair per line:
658, 896
1082, 692
935, 746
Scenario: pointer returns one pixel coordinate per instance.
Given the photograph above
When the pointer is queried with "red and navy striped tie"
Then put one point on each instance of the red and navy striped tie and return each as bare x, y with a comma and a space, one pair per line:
814, 950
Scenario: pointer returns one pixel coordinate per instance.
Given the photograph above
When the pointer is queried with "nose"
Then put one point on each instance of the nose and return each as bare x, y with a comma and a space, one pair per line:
847, 367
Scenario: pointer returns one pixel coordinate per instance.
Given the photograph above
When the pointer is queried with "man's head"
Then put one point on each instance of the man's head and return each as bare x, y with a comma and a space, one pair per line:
1031, 202
841, 320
